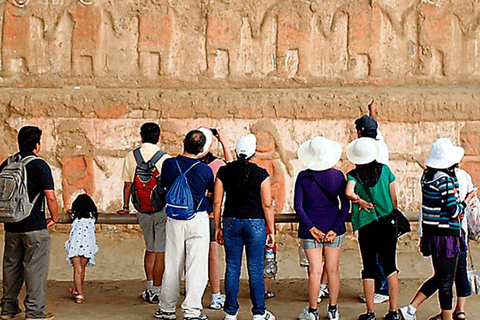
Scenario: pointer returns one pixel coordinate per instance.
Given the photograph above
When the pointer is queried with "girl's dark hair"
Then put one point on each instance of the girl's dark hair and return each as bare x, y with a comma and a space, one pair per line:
243, 170
84, 207
429, 173
367, 174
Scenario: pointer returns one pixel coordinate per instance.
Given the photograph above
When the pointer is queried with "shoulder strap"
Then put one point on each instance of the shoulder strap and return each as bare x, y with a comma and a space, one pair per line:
157, 156
330, 197
138, 156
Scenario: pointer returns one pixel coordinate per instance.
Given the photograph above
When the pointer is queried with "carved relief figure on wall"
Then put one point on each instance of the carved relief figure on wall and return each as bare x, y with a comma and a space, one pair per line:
271, 156
154, 37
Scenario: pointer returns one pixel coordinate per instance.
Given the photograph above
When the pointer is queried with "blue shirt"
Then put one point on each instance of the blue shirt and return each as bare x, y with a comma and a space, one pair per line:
200, 178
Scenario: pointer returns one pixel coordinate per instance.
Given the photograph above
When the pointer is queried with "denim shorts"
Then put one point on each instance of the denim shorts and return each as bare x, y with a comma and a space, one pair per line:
313, 244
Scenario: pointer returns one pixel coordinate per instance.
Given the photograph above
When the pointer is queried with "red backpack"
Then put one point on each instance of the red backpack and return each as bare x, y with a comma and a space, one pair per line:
148, 194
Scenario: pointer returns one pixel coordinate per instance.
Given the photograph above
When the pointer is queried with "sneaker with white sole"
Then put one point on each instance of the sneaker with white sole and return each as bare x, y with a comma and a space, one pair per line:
199, 317
377, 298
306, 315
266, 316
407, 313
332, 313
150, 296
367, 316
160, 314
230, 317
218, 302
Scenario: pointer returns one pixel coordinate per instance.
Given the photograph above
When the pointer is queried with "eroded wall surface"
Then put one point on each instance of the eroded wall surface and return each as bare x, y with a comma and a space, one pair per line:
89, 73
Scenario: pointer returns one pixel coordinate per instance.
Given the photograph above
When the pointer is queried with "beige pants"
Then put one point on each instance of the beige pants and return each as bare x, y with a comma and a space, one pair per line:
187, 245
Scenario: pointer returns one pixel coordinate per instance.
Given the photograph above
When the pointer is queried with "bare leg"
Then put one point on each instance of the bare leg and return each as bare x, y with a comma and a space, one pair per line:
158, 268
79, 266
315, 273
461, 302
393, 290
332, 258
213, 268
418, 300
149, 263
369, 290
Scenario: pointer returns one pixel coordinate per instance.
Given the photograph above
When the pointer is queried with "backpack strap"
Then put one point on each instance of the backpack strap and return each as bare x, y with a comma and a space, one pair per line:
157, 156
138, 156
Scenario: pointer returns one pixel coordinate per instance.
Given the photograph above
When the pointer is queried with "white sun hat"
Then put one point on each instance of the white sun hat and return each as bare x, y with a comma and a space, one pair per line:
362, 150
246, 145
319, 153
444, 154
208, 142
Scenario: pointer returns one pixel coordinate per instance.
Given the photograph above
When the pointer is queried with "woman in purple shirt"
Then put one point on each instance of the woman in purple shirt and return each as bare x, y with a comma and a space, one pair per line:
322, 218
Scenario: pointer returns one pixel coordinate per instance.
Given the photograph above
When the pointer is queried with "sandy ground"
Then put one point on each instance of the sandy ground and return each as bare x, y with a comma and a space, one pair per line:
120, 300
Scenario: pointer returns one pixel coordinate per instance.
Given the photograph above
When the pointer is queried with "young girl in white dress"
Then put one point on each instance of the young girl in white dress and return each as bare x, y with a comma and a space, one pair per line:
81, 246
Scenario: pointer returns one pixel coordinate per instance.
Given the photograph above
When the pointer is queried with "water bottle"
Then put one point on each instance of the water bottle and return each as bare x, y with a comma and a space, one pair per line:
270, 269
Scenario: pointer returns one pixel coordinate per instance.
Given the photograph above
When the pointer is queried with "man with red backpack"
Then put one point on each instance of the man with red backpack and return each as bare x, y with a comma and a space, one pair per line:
142, 184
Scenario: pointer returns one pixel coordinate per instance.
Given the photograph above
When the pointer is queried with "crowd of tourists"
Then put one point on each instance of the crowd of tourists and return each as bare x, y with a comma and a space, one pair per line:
190, 204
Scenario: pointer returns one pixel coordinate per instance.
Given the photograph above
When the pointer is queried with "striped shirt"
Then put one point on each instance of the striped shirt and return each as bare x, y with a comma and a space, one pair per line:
440, 205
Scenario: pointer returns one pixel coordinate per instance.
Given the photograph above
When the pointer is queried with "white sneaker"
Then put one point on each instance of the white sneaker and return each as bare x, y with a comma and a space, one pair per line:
377, 298
218, 302
305, 315
323, 293
406, 313
333, 313
230, 317
266, 316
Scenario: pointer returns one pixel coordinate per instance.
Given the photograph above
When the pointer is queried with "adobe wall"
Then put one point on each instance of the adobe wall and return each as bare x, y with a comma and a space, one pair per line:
90, 72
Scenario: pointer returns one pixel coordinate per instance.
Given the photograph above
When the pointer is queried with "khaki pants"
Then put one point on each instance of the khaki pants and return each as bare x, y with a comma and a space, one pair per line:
26, 259
187, 246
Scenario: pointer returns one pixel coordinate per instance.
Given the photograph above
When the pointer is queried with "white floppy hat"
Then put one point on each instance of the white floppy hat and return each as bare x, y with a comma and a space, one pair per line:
319, 154
246, 145
444, 154
362, 150
208, 142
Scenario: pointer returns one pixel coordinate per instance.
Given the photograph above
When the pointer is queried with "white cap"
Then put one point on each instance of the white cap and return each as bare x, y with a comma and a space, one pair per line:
362, 150
246, 145
208, 142
319, 154
444, 154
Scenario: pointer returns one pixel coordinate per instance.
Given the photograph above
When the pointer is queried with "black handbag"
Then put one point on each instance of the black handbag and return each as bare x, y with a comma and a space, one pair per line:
395, 219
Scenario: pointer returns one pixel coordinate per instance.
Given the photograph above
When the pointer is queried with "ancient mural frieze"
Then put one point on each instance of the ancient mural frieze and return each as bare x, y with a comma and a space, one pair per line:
102, 42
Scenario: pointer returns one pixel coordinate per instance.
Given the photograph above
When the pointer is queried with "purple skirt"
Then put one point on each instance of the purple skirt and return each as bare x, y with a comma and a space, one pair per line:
442, 246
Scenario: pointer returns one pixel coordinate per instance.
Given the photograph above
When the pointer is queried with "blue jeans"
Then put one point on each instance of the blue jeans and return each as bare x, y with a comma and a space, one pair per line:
381, 282
252, 234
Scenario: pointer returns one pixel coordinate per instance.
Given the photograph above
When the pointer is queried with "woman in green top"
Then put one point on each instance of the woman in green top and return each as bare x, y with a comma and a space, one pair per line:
371, 189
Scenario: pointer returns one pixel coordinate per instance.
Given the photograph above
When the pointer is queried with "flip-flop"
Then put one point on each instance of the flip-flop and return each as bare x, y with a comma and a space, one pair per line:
457, 314
269, 294
79, 298
73, 291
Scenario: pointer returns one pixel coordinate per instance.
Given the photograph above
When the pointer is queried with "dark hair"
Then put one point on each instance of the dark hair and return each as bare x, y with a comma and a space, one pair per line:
28, 138
429, 172
242, 166
150, 132
84, 207
208, 158
367, 174
194, 142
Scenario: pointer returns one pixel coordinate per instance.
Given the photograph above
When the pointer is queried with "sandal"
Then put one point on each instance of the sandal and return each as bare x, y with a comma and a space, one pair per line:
269, 294
73, 291
457, 314
79, 298
437, 317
